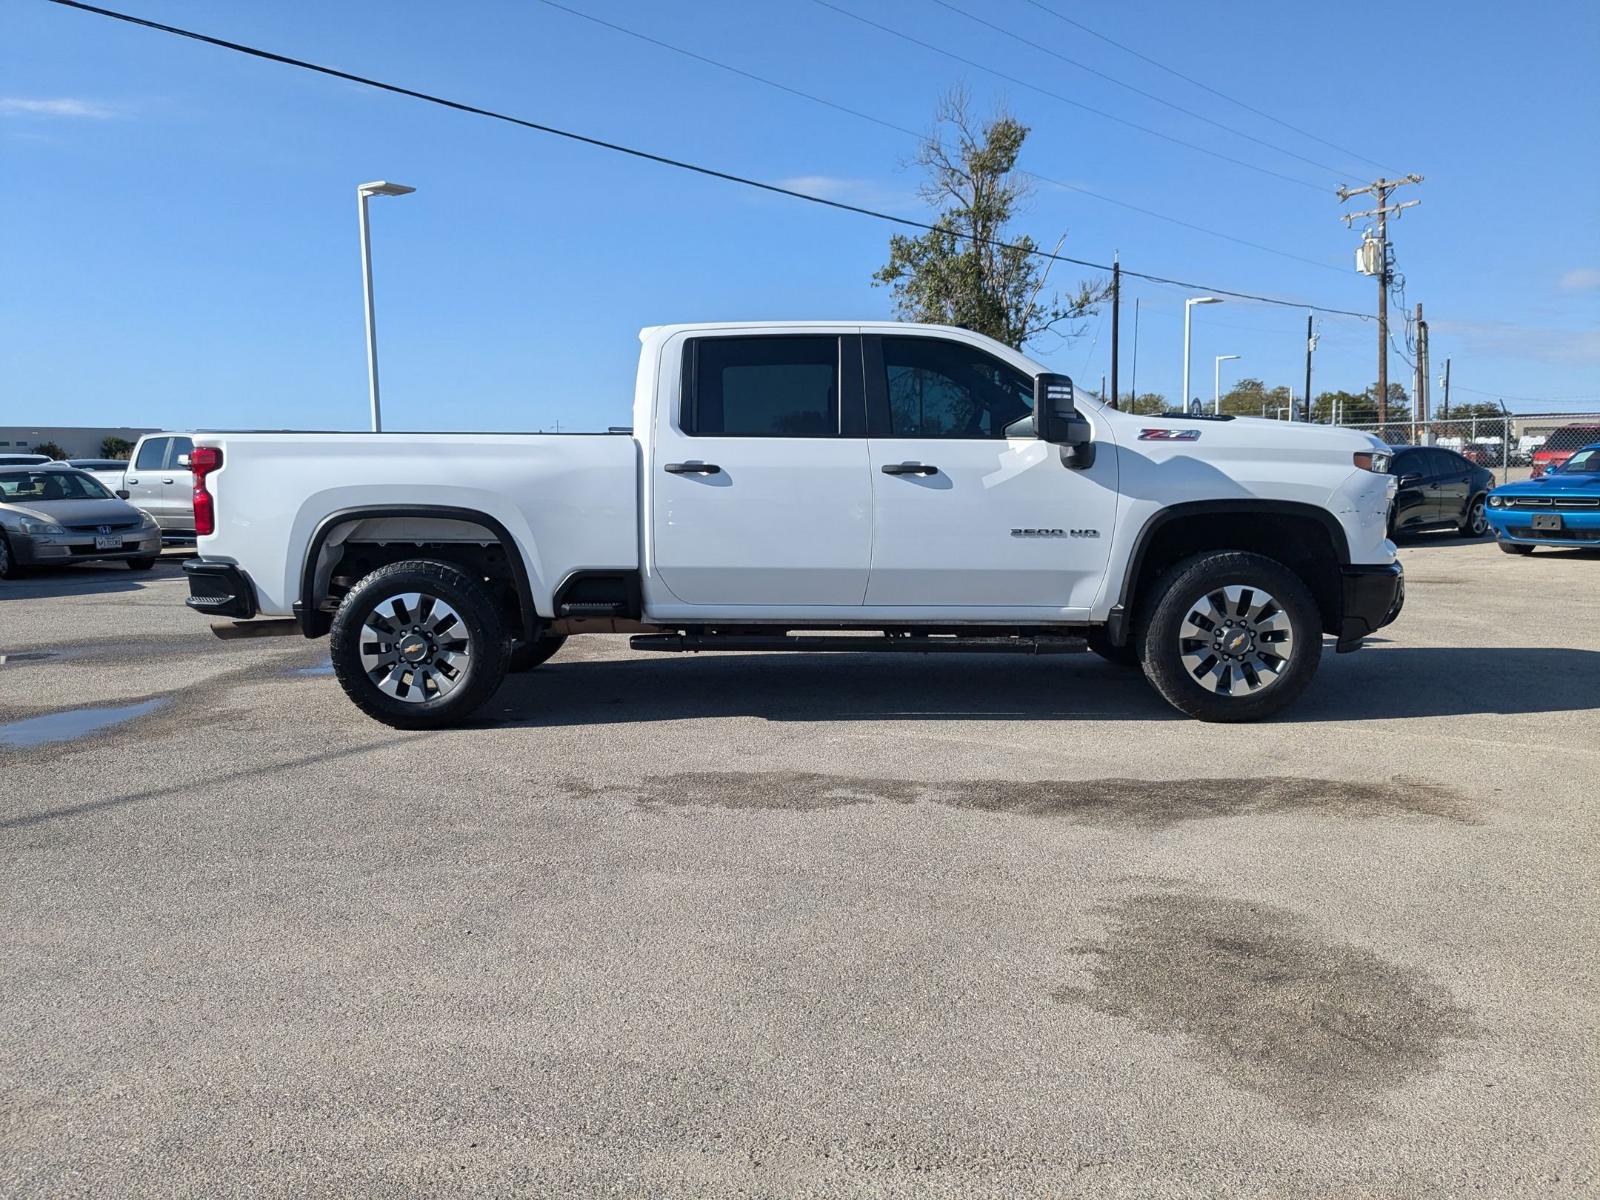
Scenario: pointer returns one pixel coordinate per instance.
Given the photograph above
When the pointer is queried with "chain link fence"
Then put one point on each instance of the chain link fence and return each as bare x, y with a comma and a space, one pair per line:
1514, 446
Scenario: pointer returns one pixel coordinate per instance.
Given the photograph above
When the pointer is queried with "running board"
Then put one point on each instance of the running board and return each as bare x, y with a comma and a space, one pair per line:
696, 642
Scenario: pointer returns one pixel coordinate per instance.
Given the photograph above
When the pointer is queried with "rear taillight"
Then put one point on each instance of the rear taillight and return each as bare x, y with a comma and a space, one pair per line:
202, 461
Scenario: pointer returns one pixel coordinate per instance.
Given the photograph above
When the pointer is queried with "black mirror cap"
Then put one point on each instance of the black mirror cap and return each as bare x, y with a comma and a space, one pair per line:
1055, 413
123, 494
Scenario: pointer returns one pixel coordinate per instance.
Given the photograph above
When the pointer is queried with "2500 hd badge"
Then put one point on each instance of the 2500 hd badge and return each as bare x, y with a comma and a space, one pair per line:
1055, 533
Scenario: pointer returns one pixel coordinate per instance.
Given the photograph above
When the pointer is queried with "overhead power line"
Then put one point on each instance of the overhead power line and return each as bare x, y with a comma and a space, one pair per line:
661, 159
891, 125
1067, 100
1205, 87
1112, 79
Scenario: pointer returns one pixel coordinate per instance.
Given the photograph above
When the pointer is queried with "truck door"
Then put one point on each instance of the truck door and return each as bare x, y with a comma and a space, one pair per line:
177, 488
963, 514
757, 483
144, 476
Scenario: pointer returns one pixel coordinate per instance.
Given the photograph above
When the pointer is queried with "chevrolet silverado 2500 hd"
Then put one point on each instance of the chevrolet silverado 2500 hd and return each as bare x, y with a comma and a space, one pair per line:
799, 486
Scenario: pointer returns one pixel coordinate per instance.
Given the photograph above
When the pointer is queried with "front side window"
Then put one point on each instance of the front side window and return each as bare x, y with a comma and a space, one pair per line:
762, 387
152, 454
940, 389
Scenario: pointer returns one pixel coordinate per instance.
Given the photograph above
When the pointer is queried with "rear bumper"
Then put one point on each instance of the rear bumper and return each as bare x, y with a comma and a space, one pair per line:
219, 589
1373, 597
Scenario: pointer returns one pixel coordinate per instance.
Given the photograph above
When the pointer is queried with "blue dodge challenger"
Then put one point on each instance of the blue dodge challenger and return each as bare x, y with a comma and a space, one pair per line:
1561, 508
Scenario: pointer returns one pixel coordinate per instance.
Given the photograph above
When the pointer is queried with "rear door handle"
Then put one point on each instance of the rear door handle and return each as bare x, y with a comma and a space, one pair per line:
694, 468
909, 468
166, 481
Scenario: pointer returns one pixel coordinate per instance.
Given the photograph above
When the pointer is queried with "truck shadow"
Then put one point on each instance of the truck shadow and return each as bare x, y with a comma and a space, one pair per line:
1376, 684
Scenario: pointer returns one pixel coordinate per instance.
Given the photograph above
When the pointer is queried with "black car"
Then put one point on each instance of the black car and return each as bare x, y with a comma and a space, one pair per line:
1439, 489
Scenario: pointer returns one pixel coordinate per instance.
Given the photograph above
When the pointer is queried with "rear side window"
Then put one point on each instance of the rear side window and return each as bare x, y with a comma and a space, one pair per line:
761, 387
940, 389
152, 454
179, 446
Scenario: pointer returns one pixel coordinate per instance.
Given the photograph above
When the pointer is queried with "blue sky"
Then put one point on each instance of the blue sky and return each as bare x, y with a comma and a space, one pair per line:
179, 226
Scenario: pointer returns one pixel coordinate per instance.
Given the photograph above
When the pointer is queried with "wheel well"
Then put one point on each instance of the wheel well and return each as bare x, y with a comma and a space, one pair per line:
1299, 541
349, 546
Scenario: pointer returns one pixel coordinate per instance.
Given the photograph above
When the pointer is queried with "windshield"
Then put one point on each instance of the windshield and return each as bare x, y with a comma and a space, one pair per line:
1584, 462
32, 487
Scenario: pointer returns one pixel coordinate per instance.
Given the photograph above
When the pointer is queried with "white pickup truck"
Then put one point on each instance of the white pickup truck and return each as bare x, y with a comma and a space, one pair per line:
816, 486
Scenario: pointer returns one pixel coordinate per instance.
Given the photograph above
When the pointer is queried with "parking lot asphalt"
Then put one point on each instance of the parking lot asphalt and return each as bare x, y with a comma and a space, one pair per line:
780, 925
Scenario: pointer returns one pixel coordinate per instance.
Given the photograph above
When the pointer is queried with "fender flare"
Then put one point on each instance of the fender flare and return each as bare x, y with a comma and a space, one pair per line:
1118, 621
314, 623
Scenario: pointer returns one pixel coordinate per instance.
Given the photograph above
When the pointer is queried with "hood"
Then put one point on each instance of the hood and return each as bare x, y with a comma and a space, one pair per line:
76, 512
1551, 485
1255, 431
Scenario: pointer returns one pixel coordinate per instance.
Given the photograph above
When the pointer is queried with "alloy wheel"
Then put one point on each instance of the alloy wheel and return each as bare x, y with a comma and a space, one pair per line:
1236, 640
415, 647
1478, 520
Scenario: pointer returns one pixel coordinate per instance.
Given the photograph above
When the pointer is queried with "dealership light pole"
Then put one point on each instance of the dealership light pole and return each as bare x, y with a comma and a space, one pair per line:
1188, 313
363, 193
1216, 382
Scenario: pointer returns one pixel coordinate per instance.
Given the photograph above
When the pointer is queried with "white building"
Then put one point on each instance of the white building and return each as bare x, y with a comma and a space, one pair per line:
77, 440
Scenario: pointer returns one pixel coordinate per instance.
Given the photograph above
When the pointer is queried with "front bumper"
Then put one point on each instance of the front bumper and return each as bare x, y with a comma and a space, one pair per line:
1579, 527
219, 589
57, 549
1373, 597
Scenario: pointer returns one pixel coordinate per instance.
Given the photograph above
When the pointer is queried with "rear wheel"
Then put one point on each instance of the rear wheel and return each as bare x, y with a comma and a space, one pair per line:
1514, 548
418, 644
528, 656
1230, 636
1476, 522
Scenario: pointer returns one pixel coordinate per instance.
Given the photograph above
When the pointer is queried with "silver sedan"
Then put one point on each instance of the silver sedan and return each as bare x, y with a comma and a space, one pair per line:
51, 515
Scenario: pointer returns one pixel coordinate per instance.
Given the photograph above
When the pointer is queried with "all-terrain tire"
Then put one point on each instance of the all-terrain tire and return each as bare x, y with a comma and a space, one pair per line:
372, 649
1249, 633
530, 654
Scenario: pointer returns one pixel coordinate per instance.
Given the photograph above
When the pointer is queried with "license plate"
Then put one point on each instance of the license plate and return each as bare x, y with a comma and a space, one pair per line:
1546, 521
107, 541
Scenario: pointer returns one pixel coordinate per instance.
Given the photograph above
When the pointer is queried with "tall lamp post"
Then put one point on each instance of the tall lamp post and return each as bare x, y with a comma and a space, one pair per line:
363, 193
1188, 313
1216, 382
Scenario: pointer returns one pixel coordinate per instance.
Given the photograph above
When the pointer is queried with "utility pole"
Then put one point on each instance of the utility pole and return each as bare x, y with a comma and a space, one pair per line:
1116, 313
1424, 408
1382, 268
1311, 344
1447, 389
1133, 380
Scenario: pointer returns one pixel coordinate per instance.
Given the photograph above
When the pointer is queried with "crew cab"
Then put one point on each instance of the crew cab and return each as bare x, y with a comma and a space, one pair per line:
156, 479
823, 487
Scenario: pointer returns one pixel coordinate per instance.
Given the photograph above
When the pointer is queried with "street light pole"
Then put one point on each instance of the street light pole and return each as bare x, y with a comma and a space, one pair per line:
1188, 312
364, 192
1216, 383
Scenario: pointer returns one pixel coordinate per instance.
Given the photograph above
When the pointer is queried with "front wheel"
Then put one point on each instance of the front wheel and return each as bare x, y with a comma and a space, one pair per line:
1230, 636
1514, 548
9, 567
1476, 522
418, 644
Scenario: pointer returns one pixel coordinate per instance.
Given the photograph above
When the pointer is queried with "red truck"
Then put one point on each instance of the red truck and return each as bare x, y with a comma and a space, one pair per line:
1562, 445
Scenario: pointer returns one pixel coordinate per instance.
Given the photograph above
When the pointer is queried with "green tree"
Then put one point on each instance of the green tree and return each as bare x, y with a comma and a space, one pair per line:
1148, 404
49, 449
1473, 408
1353, 409
115, 447
959, 273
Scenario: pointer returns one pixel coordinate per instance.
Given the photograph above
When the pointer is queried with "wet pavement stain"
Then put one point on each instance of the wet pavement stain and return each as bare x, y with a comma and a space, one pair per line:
71, 724
322, 668
1148, 803
1321, 1027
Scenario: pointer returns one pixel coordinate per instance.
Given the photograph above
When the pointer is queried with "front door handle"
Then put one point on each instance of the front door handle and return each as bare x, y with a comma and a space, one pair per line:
694, 468
166, 481
130, 480
909, 468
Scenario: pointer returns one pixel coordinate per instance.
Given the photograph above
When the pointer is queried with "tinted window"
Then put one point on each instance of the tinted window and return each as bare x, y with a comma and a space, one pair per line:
1443, 462
179, 446
1407, 462
948, 390
151, 454
763, 387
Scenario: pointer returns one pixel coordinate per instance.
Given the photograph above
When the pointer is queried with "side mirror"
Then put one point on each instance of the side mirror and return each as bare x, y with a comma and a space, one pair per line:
183, 460
123, 493
1056, 419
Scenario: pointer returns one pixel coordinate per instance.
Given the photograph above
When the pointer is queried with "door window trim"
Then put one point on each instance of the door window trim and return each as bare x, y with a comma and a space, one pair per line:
847, 377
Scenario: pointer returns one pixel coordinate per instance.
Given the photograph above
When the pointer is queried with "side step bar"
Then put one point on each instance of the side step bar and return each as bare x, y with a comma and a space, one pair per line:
696, 642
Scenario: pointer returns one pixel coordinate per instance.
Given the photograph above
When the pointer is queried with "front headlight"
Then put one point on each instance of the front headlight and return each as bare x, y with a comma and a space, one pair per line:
146, 521
1376, 461
41, 527
1495, 501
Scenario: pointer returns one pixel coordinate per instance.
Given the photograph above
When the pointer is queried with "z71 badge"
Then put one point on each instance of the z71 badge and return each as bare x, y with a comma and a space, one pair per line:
1169, 435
